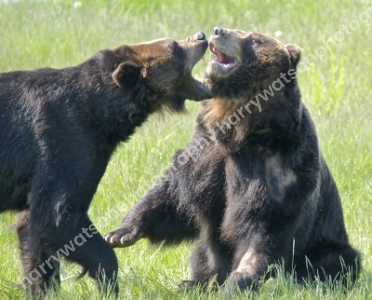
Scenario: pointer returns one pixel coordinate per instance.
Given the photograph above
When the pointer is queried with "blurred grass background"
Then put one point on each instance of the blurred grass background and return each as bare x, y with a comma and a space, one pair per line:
337, 91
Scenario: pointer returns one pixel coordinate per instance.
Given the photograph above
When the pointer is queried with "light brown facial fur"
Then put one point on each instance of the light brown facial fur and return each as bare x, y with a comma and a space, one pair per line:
165, 66
242, 65
232, 48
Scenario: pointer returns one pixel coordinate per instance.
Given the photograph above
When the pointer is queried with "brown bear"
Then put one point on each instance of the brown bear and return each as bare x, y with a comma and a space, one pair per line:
59, 130
252, 185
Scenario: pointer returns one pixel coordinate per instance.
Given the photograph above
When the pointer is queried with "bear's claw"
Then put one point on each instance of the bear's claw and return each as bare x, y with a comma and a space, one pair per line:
122, 238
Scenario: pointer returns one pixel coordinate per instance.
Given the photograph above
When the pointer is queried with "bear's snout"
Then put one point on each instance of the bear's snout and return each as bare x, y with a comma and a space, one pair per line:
199, 36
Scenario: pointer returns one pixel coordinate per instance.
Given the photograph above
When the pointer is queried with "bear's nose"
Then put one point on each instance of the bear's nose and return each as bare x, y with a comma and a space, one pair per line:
201, 36
218, 31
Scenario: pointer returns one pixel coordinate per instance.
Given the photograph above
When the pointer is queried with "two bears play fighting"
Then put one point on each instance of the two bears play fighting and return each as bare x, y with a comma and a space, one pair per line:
258, 193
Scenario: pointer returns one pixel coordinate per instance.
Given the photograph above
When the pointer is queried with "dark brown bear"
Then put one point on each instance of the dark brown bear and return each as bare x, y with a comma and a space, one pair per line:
58, 131
252, 185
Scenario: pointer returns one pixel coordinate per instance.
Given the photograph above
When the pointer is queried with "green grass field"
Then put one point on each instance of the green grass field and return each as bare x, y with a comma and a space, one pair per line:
336, 89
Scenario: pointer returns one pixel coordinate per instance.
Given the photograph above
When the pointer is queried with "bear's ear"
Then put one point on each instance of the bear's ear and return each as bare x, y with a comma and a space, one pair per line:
295, 53
127, 74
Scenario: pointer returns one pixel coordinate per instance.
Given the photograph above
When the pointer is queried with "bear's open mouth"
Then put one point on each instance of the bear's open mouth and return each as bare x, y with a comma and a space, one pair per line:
223, 59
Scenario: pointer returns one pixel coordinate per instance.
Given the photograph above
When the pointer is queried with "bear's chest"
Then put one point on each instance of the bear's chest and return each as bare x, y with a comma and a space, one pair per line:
254, 178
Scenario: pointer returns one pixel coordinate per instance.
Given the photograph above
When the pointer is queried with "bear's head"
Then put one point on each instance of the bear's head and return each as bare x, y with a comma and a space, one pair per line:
243, 64
164, 66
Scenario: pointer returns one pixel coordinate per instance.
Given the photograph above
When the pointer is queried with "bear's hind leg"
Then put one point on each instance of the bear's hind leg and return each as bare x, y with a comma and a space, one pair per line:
41, 273
330, 262
78, 241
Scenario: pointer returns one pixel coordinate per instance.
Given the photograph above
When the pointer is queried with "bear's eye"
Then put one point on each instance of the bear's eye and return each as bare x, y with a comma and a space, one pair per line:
253, 41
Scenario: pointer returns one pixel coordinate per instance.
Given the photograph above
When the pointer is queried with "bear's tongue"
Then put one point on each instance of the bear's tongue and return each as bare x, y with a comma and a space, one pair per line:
224, 59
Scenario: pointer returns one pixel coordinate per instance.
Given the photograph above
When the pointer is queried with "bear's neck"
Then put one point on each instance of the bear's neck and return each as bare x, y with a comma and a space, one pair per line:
219, 110
118, 115
242, 123
228, 121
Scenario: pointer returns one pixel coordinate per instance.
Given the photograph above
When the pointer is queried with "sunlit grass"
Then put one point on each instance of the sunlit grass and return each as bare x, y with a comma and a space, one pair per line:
337, 91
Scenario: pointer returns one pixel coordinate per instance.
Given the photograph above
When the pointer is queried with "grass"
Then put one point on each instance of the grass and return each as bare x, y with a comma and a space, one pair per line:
337, 91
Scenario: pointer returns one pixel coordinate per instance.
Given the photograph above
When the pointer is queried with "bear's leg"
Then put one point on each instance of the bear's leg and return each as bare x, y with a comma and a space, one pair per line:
330, 262
39, 276
210, 264
72, 235
156, 217
78, 241
249, 272
254, 258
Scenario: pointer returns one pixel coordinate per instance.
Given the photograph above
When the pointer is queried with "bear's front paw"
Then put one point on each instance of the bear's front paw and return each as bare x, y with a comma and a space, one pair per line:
186, 284
124, 236
241, 281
